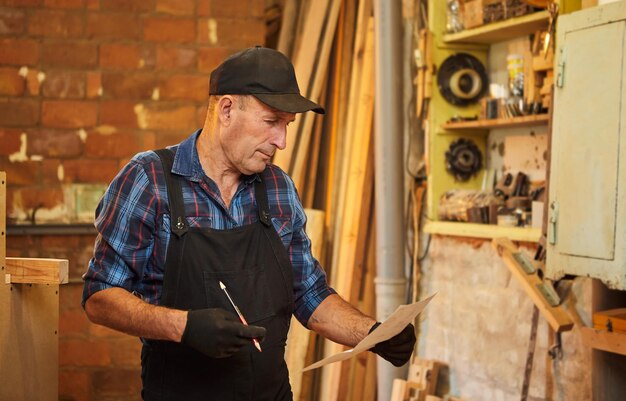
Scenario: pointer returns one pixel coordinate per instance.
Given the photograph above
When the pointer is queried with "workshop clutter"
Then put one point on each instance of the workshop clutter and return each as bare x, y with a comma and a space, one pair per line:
474, 13
511, 202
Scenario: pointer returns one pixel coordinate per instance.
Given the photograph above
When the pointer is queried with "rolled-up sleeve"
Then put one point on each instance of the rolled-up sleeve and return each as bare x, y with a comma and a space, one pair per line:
310, 284
125, 221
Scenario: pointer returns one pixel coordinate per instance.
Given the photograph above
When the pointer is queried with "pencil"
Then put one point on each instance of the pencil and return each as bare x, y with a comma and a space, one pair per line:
243, 319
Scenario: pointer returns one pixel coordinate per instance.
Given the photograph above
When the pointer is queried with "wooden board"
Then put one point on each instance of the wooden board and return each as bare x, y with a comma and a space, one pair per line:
288, 27
604, 340
299, 338
29, 342
616, 317
556, 316
354, 216
3, 218
304, 59
36, 271
314, 91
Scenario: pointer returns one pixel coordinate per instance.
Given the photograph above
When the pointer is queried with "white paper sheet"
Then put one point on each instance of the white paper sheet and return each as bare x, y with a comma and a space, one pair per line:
398, 320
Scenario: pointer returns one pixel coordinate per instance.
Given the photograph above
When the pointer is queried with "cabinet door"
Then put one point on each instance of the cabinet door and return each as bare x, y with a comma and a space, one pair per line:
588, 177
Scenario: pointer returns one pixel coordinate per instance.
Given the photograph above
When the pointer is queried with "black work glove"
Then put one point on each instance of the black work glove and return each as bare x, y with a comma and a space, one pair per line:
397, 349
218, 333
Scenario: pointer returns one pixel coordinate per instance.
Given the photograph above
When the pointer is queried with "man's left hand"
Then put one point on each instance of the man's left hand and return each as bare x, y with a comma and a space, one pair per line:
397, 349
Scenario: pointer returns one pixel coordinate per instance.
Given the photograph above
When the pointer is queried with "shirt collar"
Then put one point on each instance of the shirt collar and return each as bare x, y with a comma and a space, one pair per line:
187, 161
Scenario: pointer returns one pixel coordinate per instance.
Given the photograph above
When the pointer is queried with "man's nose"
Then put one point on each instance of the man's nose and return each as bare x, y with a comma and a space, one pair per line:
280, 138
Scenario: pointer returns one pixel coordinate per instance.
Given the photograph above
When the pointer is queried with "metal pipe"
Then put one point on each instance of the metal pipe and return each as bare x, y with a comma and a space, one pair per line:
388, 133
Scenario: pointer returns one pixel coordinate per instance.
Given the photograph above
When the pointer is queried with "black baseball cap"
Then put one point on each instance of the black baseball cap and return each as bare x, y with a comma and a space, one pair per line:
264, 73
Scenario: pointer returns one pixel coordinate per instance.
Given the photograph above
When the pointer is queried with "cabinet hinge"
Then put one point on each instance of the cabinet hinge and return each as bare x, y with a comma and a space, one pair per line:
552, 218
560, 70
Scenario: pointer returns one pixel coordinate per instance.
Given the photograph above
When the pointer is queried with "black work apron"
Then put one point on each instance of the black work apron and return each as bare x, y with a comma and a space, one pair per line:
254, 266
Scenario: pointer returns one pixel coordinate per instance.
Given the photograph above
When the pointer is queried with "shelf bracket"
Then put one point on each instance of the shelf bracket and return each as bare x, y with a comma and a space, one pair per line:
555, 315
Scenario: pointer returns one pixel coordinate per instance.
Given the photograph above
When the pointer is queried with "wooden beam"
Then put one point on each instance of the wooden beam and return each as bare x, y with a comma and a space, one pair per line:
604, 340
317, 81
351, 239
288, 27
556, 316
304, 61
3, 219
299, 338
36, 271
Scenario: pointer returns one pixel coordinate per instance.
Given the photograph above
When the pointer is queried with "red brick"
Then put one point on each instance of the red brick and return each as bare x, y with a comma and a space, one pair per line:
21, 173
84, 353
20, 3
126, 352
167, 116
10, 140
176, 7
149, 140
19, 112
192, 87
74, 384
119, 56
32, 81
64, 3
64, 84
70, 296
114, 145
117, 383
119, 113
50, 171
90, 171
116, 25
60, 242
203, 8
125, 5
201, 115
69, 113
210, 57
94, 84
257, 8
230, 9
176, 58
103, 332
11, 82
93, 4
72, 55
169, 29
128, 85
240, 33
55, 24
54, 143
73, 323
19, 52
12, 21
148, 56
35, 197
18, 243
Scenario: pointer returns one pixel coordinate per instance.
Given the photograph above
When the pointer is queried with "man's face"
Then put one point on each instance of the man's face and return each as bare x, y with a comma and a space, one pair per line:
255, 132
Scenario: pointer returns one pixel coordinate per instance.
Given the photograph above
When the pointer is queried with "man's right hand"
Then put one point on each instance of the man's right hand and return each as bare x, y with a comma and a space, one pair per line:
218, 333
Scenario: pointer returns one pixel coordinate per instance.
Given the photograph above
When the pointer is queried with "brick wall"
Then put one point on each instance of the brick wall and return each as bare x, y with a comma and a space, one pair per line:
479, 325
84, 85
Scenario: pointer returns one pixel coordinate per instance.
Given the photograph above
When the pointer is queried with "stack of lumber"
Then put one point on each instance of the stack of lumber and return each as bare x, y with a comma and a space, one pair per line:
330, 158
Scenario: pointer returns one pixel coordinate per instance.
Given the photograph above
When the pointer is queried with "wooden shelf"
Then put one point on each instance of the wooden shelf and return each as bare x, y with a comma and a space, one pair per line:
604, 340
503, 30
525, 121
488, 231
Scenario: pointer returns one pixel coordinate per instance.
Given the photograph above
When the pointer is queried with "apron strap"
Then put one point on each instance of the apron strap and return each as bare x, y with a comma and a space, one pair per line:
174, 193
260, 193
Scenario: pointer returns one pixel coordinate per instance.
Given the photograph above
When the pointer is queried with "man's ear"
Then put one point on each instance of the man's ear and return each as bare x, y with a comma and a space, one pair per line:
225, 109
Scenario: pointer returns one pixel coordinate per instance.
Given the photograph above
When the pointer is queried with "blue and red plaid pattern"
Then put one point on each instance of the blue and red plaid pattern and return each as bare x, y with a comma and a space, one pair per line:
133, 222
